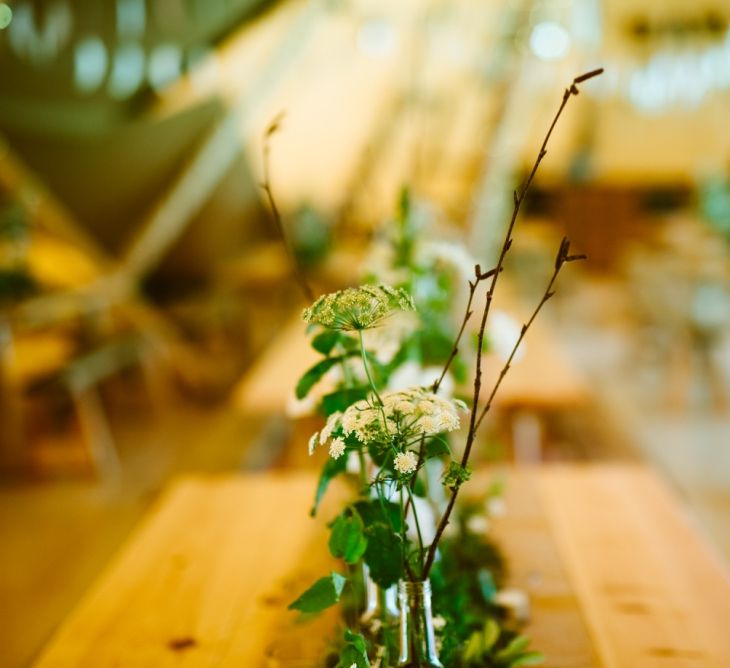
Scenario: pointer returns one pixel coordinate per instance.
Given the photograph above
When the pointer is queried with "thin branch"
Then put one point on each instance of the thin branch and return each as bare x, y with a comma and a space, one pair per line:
478, 276
276, 216
562, 257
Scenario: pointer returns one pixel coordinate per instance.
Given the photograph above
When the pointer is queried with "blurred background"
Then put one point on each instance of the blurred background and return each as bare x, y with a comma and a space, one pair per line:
148, 309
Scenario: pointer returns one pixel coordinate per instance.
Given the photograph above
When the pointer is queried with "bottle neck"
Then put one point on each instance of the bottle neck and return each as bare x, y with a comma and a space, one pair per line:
417, 638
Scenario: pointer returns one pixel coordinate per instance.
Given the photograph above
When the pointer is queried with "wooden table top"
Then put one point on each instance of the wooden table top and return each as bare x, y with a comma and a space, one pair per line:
617, 575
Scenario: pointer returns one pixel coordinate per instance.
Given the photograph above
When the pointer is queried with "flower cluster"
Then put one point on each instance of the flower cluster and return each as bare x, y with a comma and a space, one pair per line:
359, 308
401, 419
408, 413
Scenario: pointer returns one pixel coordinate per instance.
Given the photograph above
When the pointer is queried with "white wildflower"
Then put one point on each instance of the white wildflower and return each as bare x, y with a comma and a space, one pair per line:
332, 422
337, 448
438, 623
312, 443
405, 462
408, 413
446, 421
427, 424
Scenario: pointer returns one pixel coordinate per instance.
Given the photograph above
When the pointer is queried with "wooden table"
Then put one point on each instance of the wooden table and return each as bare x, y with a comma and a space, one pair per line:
617, 575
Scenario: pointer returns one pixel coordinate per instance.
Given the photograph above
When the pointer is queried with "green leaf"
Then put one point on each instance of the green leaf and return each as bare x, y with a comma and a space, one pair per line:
342, 399
515, 647
474, 647
528, 659
354, 651
322, 594
330, 470
326, 341
383, 555
419, 487
437, 447
375, 511
313, 375
347, 540
491, 633
356, 639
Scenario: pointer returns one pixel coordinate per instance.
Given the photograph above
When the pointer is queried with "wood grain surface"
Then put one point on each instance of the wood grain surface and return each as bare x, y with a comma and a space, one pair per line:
617, 576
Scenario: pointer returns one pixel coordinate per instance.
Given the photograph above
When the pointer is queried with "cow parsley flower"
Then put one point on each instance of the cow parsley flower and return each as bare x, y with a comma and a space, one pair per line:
337, 448
312, 443
405, 462
402, 419
331, 425
409, 413
361, 308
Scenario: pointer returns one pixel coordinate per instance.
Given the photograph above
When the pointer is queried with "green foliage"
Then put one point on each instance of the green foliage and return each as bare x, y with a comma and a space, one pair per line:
324, 593
313, 375
342, 399
437, 447
384, 554
374, 510
347, 539
331, 469
326, 341
464, 582
354, 651
491, 646
456, 475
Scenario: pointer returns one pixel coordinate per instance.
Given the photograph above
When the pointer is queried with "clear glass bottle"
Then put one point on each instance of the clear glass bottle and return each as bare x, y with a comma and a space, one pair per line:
417, 640
379, 604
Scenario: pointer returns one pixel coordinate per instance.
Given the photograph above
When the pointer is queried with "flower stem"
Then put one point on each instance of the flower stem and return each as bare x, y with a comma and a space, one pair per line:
418, 525
367, 368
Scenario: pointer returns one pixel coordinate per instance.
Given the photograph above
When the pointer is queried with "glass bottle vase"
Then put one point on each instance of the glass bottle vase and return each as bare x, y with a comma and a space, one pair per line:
416, 638
379, 604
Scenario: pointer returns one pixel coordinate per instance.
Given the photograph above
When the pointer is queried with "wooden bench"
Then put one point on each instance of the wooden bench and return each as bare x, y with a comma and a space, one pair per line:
617, 575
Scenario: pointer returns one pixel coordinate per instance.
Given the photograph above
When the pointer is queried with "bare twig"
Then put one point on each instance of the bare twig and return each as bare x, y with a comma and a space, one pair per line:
475, 417
276, 216
478, 276
561, 258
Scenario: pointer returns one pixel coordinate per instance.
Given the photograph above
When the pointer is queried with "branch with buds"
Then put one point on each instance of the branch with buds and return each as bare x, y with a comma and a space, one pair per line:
563, 256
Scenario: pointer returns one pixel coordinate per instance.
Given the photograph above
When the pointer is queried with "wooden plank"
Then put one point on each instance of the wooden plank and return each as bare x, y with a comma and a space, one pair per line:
556, 625
205, 580
653, 592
